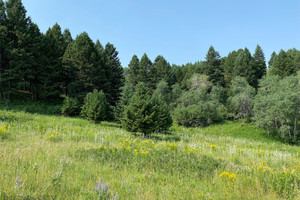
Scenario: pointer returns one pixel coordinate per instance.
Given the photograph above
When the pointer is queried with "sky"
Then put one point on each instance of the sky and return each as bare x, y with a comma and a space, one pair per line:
179, 30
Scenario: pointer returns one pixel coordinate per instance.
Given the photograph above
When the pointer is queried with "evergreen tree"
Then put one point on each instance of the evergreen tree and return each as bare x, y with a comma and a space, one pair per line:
145, 71
52, 74
271, 61
259, 66
67, 37
96, 107
294, 55
139, 115
105, 83
127, 92
213, 68
133, 70
244, 66
18, 47
34, 69
282, 65
117, 78
163, 119
163, 91
82, 67
163, 70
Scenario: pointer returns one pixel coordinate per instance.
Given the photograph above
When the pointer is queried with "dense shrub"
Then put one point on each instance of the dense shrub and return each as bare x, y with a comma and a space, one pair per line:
277, 105
70, 107
241, 101
96, 107
197, 108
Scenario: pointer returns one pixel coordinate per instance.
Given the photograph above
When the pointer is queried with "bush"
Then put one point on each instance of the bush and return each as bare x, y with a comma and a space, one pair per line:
277, 106
70, 107
197, 115
241, 102
197, 108
96, 107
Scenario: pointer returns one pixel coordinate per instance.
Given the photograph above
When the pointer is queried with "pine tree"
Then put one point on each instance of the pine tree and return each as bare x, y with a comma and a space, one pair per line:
82, 67
244, 66
259, 66
35, 68
127, 92
67, 37
163, 70
52, 74
163, 119
96, 106
117, 78
271, 61
133, 70
18, 46
145, 71
213, 68
139, 115
282, 65
104, 83
163, 91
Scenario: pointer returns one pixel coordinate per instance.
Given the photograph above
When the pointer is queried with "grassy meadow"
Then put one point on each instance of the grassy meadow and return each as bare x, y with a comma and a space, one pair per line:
70, 158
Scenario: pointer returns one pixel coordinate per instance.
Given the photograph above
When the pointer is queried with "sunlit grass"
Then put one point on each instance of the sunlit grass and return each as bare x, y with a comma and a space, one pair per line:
70, 158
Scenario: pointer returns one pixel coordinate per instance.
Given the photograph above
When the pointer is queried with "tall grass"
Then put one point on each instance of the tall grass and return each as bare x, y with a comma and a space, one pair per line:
70, 158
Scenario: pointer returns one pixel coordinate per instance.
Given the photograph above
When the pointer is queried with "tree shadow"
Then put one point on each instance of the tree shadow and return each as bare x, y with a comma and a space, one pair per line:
165, 137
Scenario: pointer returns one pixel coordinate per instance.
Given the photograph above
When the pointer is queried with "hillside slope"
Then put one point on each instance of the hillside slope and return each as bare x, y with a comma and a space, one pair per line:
71, 158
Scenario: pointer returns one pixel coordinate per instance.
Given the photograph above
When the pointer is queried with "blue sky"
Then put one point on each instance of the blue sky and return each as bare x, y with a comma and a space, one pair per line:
180, 30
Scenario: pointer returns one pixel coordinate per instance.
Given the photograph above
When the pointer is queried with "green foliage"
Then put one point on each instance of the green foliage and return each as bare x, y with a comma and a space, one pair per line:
163, 70
70, 107
83, 68
52, 74
213, 68
271, 61
242, 97
146, 72
185, 164
163, 90
163, 119
116, 79
229, 66
219, 94
133, 70
139, 115
199, 81
96, 107
127, 92
196, 108
259, 66
286, 63
4, 134
277, 105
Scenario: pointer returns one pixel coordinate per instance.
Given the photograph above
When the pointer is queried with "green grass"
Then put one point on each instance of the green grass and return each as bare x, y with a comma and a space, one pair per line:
71, 158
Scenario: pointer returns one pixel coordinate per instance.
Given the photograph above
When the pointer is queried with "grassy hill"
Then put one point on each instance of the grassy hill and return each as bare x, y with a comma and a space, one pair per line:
71, 158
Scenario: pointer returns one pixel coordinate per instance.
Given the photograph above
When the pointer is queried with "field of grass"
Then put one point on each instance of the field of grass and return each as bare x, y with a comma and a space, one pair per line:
71, 158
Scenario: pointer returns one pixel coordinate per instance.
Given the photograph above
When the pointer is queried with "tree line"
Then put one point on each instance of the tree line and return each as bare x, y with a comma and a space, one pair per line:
147, 96
47, 66
237, 86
